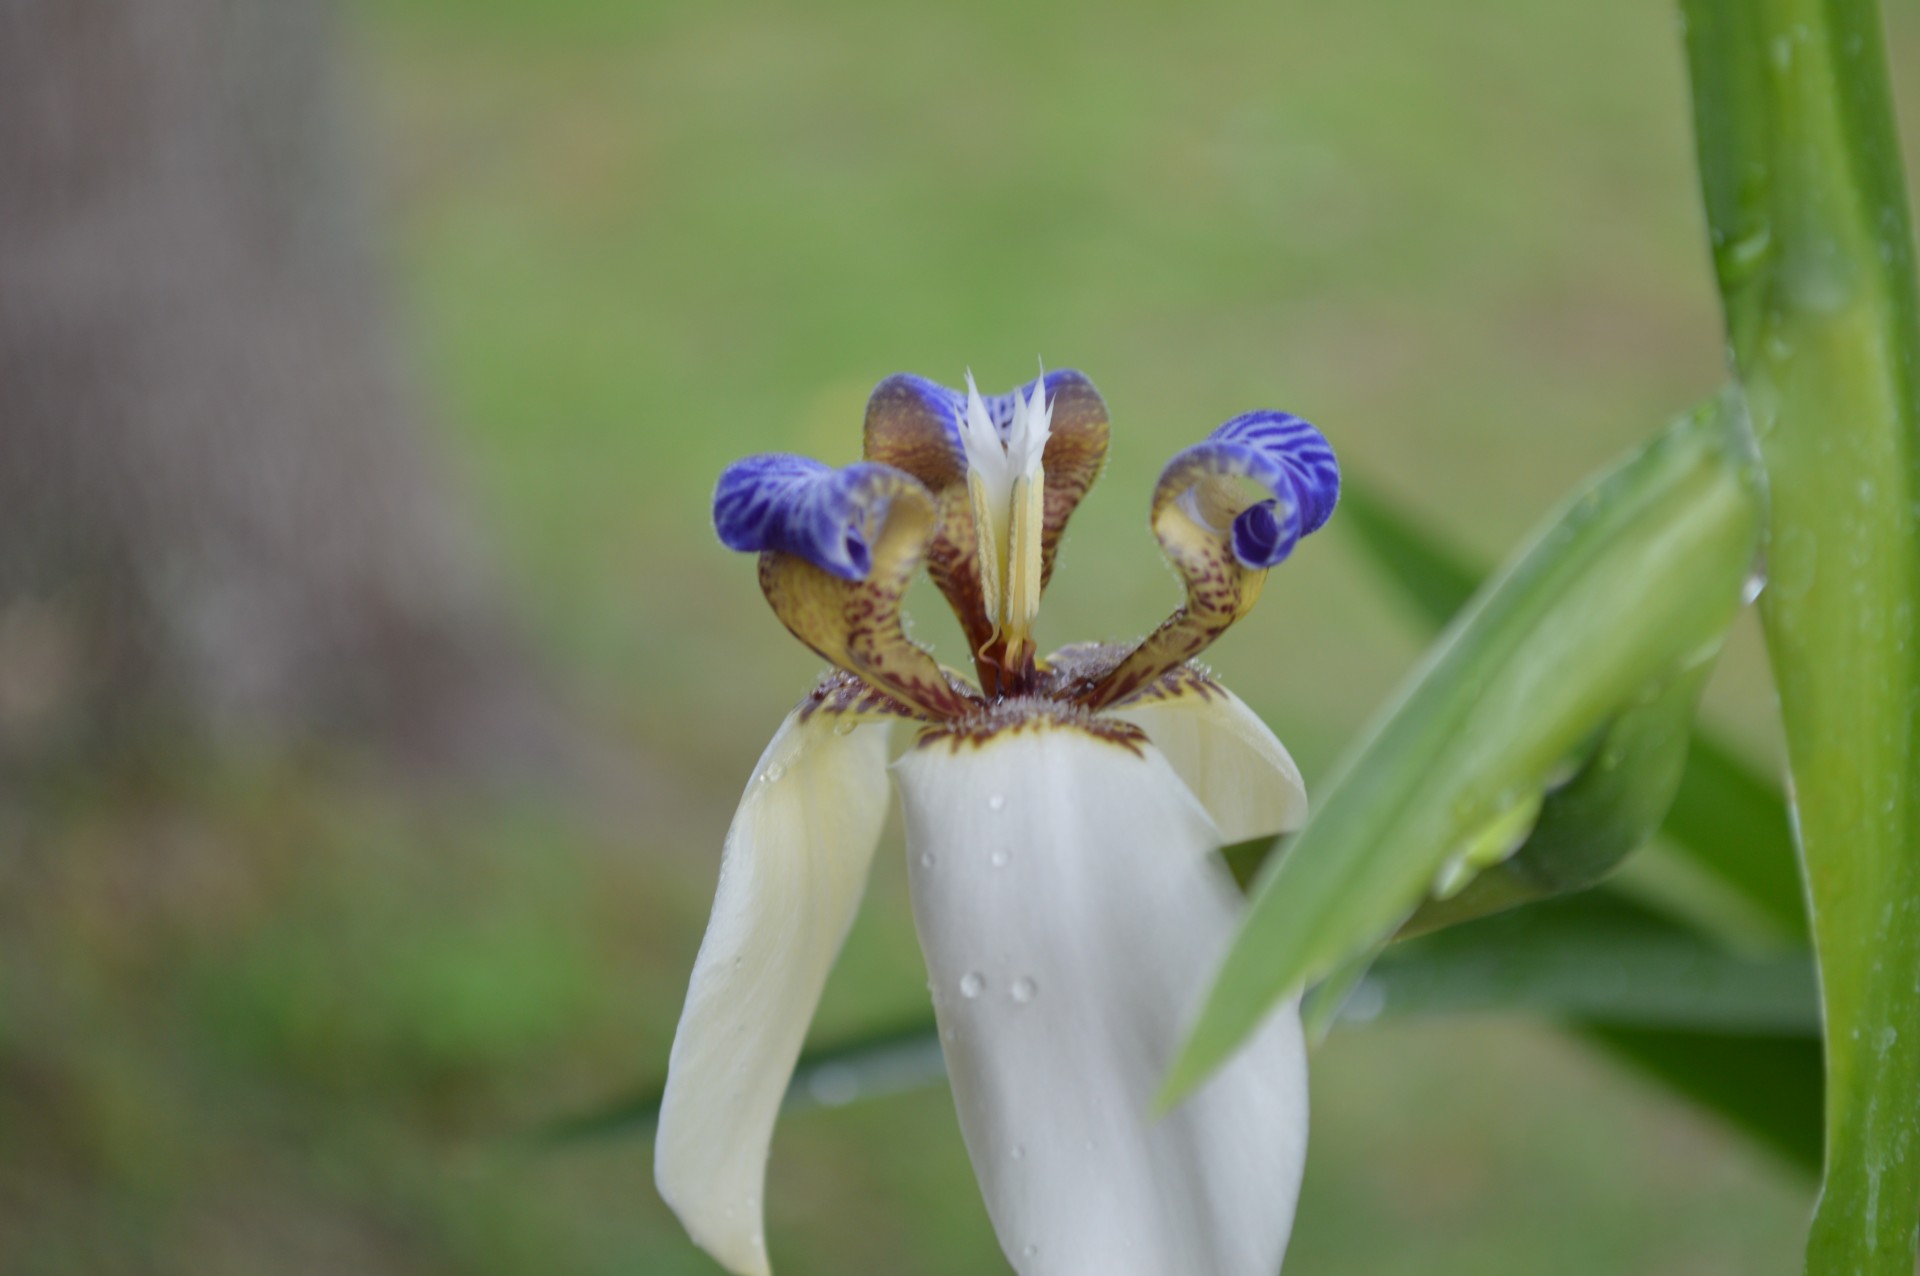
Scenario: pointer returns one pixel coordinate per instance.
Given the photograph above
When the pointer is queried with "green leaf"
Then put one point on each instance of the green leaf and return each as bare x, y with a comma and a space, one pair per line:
897, 1058
1579, 832
1595, 958
1435, 577
1733, 822
1633, 584
1605, 962
1612, 804
1725, 815
1813, 251
1766, 1084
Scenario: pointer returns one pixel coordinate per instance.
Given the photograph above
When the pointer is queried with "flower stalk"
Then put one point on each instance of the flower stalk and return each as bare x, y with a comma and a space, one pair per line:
1813, 251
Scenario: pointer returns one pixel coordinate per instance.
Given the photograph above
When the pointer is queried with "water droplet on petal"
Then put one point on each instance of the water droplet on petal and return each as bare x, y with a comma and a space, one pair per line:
1023, 990
1029, 1251
996, 803
773, 773
972, 984
843, 727
926, 859
998, 859
1019, 1152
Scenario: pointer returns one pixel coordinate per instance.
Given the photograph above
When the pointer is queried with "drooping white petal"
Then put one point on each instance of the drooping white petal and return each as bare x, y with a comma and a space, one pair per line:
791, 877
1237, 767
1071, 912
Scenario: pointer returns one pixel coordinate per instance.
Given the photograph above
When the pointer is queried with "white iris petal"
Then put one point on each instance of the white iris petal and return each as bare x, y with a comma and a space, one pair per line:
791, 877
1071, 911
1233, 763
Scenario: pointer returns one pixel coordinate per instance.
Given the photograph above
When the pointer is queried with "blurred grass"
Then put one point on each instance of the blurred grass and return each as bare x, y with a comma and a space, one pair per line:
253, 1020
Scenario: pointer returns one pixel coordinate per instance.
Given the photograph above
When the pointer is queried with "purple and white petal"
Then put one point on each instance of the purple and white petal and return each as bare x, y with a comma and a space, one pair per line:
1222, 538
800, 506
1282, 453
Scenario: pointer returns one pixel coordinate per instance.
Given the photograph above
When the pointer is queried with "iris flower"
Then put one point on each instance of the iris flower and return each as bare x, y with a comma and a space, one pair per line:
1062, 821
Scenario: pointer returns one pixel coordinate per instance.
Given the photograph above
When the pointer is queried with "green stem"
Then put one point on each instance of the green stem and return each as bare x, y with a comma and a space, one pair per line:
1812, 246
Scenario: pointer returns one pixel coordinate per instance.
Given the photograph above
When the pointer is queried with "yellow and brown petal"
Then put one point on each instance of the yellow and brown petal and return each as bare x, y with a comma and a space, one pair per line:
838, 549
979, 489
919, 426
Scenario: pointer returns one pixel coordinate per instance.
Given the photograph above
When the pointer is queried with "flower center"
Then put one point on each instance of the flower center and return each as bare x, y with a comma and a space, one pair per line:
1006, 486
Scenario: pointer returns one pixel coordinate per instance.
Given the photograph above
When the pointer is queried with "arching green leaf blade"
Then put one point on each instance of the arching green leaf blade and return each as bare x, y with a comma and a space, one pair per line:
1632, 585
1725, 815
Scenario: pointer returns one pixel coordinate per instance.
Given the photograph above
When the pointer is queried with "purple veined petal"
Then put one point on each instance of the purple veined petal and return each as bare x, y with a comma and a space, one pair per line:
838, 550
800, 506
1221, 540
1282, 453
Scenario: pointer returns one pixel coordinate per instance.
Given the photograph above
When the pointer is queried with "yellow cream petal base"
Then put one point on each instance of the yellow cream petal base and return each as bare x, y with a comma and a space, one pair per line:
1238, 769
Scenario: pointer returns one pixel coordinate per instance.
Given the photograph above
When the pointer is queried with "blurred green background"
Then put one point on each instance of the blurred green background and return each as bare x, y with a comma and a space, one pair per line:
265, 1017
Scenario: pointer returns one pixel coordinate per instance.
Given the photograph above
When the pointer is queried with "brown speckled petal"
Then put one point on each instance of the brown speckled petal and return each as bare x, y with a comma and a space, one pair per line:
856, 624
1196, 536
1076, 453
913, 424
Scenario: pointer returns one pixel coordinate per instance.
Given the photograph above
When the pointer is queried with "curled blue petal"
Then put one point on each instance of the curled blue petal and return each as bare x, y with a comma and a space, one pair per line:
1283, 454
797, 505
1259, 534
